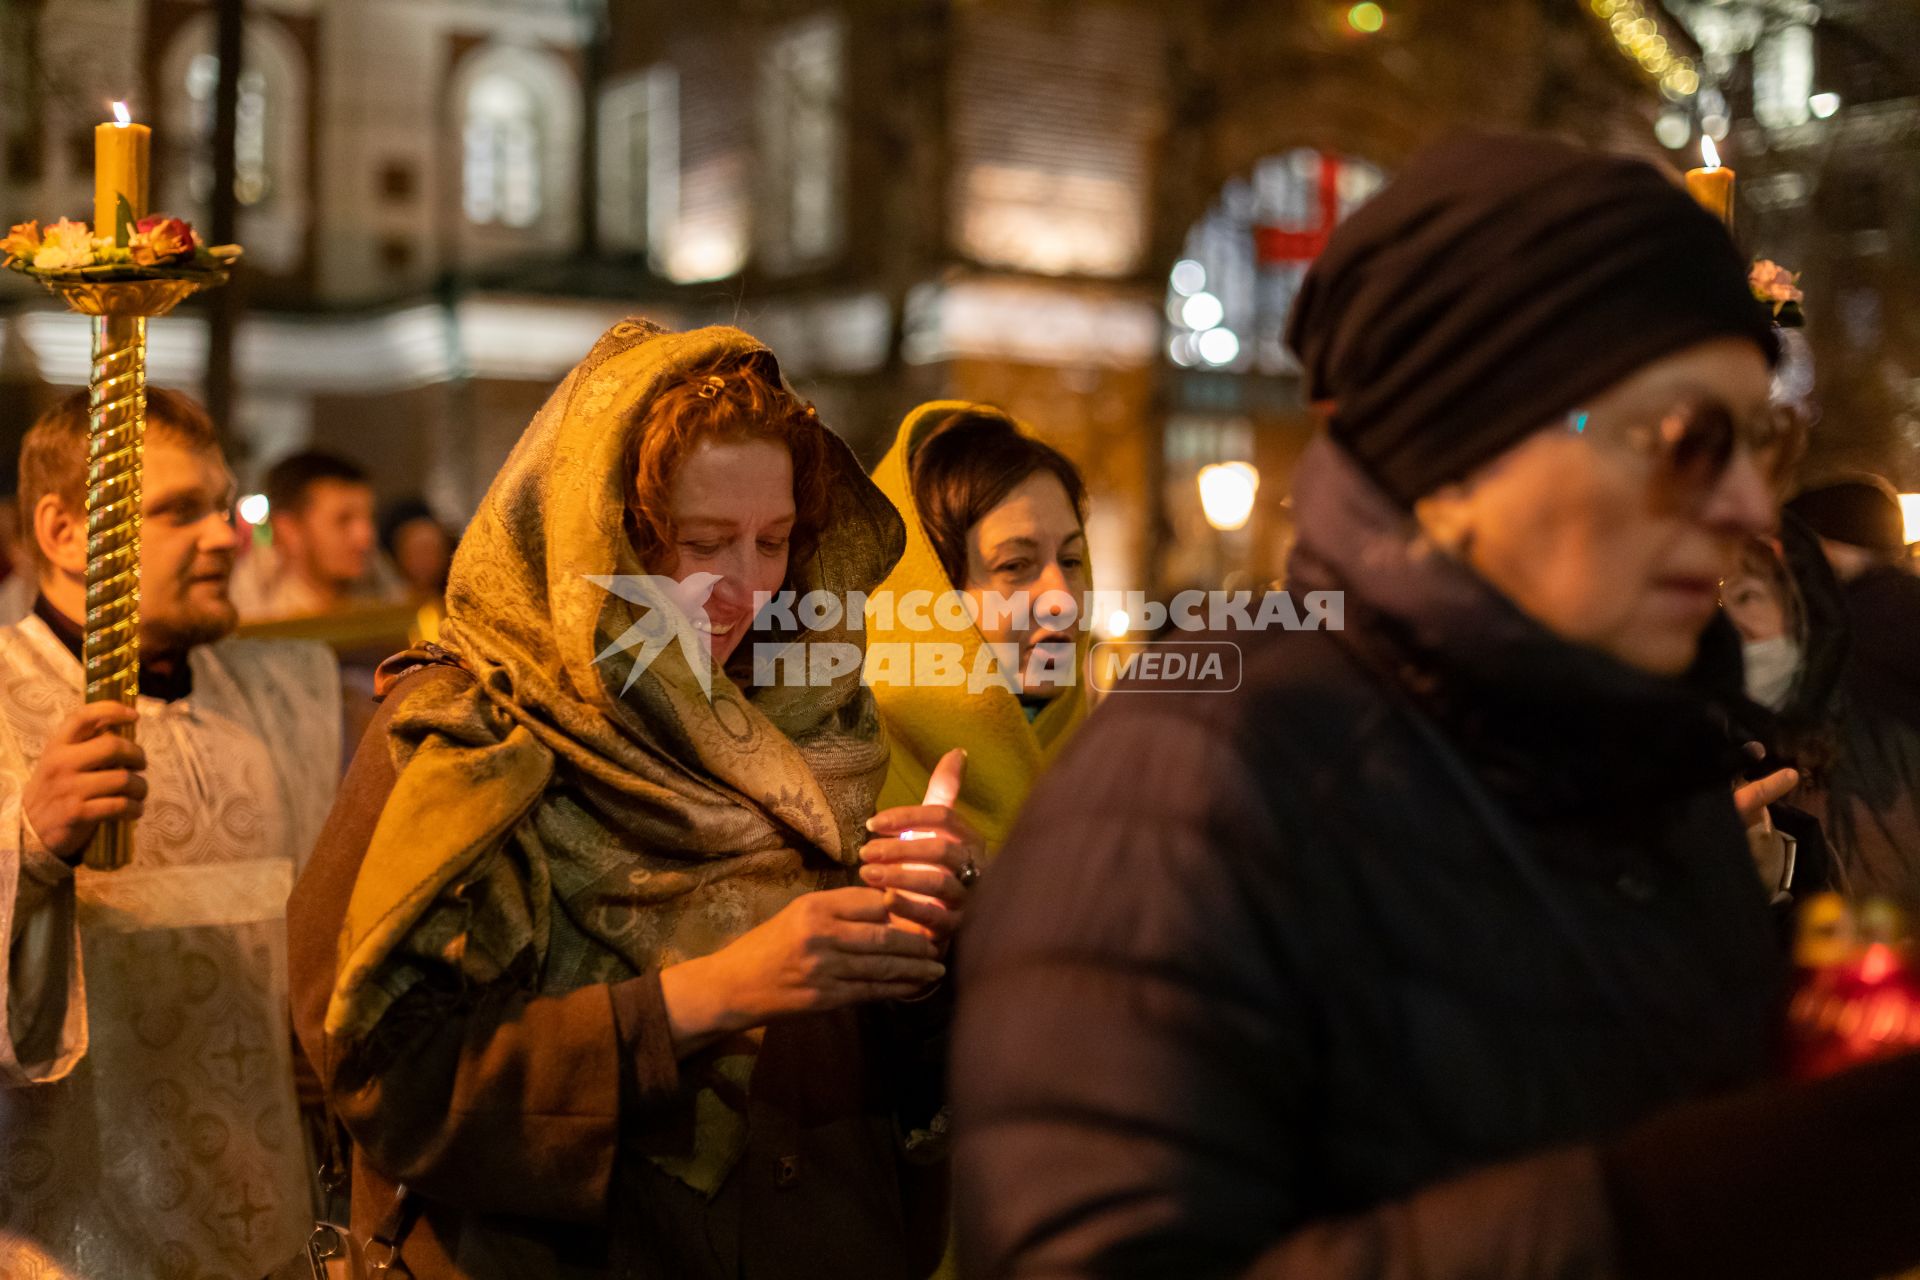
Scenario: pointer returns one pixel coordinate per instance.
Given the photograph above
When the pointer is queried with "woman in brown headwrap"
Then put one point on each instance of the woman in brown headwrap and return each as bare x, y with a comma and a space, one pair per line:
1435, 948
584, 956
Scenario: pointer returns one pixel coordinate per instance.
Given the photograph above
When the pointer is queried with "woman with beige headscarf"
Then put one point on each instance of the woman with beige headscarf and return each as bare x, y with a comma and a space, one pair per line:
585, 956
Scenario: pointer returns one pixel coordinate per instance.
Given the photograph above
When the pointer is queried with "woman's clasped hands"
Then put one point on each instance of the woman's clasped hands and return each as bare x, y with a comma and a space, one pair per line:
841, 947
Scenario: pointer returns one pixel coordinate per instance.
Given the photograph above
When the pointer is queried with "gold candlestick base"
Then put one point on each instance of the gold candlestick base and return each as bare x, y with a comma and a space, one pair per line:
116, 431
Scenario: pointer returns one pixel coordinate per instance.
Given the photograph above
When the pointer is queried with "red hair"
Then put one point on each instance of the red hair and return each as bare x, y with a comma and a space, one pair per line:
730, 399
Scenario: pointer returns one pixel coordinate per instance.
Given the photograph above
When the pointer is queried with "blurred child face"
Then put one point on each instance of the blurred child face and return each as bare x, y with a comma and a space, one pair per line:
421, 552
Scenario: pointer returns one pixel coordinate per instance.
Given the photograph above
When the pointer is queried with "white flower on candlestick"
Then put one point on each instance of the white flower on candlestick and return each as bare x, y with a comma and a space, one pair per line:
66, 245
157, 247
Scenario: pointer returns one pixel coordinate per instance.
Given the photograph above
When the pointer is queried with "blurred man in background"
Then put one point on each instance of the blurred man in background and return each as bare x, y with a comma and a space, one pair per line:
324, 555
1860, 524
1863, 534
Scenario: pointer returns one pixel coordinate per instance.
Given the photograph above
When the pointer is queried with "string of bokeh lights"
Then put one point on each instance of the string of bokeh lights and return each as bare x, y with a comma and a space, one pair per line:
1637, 34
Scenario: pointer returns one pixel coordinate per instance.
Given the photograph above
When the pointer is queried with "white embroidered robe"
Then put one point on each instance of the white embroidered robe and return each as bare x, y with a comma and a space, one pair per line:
148, 1126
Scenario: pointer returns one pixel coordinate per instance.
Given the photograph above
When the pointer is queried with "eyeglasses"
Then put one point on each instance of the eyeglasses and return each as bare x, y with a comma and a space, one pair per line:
1693, 444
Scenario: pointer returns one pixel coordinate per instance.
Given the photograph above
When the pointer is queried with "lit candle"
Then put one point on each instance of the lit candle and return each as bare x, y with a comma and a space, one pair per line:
119, 169
1712, 186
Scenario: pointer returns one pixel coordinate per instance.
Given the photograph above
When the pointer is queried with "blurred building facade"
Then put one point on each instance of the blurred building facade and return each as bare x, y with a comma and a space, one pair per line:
353, 120
1091, 211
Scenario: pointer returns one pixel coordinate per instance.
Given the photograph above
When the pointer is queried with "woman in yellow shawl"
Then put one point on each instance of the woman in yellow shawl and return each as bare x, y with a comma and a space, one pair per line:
584, 956
990, 511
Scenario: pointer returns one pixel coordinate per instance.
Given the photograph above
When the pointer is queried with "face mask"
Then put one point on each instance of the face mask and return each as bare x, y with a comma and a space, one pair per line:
1771, 666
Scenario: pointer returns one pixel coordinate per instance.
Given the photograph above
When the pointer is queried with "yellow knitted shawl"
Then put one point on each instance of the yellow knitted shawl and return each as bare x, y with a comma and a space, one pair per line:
1004, 752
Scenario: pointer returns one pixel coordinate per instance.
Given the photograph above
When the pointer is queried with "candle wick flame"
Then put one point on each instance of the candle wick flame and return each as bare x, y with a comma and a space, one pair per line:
120, 116
1709, 152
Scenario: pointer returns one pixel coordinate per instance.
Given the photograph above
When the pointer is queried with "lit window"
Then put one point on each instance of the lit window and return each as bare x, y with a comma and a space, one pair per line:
1053, 129
1229, 296
253, 181
801, 141
271, 137
640, 161
1783, 77
501, 169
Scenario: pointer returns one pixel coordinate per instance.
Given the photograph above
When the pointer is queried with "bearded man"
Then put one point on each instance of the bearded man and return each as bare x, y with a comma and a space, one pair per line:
148, 1121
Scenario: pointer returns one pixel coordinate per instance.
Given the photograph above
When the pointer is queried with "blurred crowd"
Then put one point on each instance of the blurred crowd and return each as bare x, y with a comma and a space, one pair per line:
685, 908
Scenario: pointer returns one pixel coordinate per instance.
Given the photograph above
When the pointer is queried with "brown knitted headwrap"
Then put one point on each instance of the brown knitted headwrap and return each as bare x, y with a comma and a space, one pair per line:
1497, 283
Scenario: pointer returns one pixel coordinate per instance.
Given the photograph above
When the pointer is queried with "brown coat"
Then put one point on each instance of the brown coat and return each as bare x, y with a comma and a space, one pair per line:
524, 1121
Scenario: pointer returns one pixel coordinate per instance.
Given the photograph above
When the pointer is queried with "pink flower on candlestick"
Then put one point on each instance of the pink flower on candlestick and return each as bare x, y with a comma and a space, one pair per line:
160, 239
22, 242
1774, 284
67, 245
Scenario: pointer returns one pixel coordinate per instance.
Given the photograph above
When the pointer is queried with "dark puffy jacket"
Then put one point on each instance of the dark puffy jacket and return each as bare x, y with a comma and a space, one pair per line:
1376, 966
1852, 724
1883, 610
1873, 811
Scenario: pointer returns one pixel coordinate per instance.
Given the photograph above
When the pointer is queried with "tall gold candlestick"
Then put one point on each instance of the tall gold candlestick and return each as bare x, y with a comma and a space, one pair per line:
120, 288
116, 431
116, 435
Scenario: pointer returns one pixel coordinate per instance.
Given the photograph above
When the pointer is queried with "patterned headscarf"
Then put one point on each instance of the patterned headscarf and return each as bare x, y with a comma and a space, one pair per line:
552, 827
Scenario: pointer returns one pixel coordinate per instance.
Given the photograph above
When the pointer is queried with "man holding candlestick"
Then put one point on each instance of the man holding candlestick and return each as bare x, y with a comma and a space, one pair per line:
148, 1123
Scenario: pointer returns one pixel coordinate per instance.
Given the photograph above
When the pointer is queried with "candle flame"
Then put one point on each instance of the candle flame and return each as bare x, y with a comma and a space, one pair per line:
120, 116
1709, 152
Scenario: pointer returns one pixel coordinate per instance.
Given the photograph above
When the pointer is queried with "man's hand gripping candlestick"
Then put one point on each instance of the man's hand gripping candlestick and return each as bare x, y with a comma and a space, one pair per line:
927, 854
